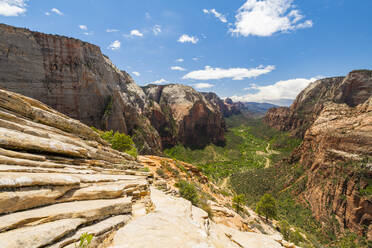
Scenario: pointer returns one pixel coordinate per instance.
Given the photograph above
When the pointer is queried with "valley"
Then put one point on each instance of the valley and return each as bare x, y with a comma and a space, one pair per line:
85, 150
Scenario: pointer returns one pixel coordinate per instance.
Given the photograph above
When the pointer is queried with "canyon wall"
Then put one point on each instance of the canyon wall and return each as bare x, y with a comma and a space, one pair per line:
75, 78
334, 117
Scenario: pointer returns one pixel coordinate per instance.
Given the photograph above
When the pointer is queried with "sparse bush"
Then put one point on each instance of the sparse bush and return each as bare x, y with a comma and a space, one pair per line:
238, 202
145, 169
85, 240
160, 172
188, 191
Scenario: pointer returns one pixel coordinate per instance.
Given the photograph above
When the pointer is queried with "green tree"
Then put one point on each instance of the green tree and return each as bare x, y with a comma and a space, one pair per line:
267, 206
238, 202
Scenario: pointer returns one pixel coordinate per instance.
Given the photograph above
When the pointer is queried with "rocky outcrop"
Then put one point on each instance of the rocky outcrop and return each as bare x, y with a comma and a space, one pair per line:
75, 78
59, 179
180, 113
334, 116
176, 223
337, 153
353, 89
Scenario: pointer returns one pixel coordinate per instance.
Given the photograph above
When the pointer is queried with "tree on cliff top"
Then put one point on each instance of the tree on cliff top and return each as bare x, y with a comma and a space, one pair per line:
267, 206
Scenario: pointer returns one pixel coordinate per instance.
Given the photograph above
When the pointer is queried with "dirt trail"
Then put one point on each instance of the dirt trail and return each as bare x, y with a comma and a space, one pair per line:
267, 154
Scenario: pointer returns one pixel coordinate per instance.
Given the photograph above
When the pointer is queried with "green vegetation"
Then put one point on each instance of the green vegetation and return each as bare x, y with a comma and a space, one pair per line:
85, 240
250, 176
244, 138
119, 141
238, 202
267, 207
188, 191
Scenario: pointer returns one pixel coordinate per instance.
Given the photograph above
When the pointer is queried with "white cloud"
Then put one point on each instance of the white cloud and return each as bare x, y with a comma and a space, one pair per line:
179, 60
210, 73
267, 17
136, 32
136, 73
83, 27
156, 29
57, 11
195, 59
160, 81
177, 68
147, 15
203, 85
115, 45
12, 7
89, 33
47, 13
111, 30
282, 92
220, 16
186, 38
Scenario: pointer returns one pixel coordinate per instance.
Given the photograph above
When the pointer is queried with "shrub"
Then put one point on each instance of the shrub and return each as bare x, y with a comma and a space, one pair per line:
188, 191
85, 240
285, 229
267, 206
119, 141
145, 169
160, 172
238, 202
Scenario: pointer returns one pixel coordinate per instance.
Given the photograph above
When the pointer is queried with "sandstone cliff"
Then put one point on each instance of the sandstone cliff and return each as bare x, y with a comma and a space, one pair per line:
180, 113
335, 117
75, 78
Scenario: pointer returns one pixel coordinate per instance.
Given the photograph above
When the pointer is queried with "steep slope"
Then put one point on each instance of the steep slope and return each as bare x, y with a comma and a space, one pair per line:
353, 89
59, 179
75, 78
335, 117
180, 113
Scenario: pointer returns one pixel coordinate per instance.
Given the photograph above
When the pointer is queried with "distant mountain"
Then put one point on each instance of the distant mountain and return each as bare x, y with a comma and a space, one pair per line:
259, 108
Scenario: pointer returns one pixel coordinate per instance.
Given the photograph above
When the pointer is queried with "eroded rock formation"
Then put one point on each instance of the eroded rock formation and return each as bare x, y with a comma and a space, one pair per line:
335, 117
59, 179
180, 113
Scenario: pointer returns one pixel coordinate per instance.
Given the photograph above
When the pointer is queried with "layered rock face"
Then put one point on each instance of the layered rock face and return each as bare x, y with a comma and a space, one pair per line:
75, 78
59, 179
180, 113
335, 117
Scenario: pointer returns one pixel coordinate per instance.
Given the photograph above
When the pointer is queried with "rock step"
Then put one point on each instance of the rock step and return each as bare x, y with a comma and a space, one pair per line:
26, 198
96, 229
65, 170
89, 210
40, 235
17, 180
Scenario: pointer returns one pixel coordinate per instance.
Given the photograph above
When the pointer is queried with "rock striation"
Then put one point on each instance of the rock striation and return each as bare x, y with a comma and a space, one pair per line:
59, 179
180, 113
334, 116
76, 79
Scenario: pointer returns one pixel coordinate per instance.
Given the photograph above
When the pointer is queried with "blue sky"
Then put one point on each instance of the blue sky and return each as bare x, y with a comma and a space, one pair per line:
251, 50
